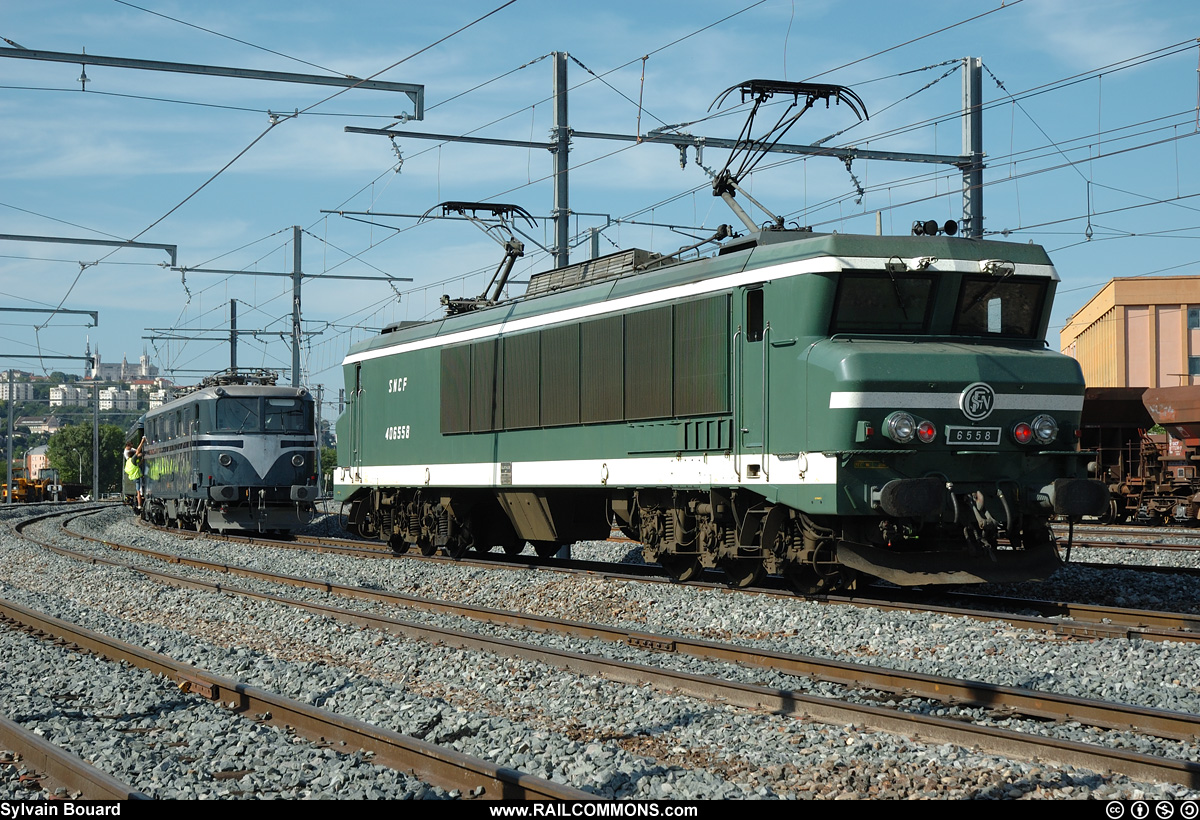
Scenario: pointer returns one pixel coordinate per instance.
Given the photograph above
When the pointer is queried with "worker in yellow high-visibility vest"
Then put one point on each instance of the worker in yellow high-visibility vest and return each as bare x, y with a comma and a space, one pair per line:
133, 467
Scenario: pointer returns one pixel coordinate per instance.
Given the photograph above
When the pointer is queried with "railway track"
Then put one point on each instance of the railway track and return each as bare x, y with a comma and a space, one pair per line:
369, 549
441, 767
49, 770
1007, 701
1127, 537
1060, 617
849, 736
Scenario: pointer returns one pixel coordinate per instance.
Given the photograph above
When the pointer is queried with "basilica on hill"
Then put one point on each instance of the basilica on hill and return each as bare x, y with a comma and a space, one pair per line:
123, 372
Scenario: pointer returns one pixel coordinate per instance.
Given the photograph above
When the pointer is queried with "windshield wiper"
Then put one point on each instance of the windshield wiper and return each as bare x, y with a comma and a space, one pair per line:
988, 290
249, 413
896, 286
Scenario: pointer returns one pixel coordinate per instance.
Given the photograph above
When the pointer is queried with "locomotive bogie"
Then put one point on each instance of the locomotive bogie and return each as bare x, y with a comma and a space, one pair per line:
817, 407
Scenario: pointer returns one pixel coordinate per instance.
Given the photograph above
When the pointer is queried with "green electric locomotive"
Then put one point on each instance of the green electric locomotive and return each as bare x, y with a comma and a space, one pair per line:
817, 406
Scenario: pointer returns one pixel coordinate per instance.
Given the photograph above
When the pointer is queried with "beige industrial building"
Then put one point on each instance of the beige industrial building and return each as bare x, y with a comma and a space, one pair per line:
1138, 332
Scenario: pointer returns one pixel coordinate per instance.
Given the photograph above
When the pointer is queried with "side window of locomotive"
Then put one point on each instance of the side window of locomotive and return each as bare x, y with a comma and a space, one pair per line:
882, 302
754, 315
237, 414
1000, 306
284, 415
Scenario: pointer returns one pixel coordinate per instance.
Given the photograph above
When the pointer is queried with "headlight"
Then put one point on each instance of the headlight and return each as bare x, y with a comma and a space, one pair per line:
225, 459
900, 427
1022, 433
298, 460
926, 431
1045, 429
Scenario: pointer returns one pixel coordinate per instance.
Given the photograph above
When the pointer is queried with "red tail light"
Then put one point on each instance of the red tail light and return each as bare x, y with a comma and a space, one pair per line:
1023, 433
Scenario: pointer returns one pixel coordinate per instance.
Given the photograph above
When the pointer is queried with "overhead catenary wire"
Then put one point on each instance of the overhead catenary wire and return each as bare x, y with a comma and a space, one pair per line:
685, 193
230, 37
195, 103
257, 139
360, 257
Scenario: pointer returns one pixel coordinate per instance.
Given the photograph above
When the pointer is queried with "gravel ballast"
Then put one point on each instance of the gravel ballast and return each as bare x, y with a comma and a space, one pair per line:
609, 738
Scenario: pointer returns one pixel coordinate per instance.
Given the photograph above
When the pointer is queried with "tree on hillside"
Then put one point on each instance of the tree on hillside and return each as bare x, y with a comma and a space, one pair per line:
71, 448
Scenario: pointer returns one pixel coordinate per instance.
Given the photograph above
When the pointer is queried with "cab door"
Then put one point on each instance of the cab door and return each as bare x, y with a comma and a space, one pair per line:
356, 424
750, 405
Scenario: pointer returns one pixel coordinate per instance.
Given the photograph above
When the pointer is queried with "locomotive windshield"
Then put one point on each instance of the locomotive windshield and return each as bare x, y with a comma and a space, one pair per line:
1000, 306
272, 415
238, 414
901, 303
883, 302
288, 415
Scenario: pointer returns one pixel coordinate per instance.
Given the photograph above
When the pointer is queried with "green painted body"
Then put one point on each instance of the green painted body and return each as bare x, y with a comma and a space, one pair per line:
760, 379
394, 409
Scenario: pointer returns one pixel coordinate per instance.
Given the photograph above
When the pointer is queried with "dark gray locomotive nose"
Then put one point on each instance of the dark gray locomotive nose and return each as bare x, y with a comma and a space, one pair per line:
237, 452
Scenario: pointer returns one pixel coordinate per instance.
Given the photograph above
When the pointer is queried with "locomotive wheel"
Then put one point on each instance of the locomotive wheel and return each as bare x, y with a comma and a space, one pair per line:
426, 547
513, 547
682, 568
465, 536
397, 544
742, 572
544, 549
459, 544
1111, 515
804, 580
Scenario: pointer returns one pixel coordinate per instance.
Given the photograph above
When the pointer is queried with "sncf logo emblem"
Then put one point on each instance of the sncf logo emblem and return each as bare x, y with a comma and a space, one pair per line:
977, 401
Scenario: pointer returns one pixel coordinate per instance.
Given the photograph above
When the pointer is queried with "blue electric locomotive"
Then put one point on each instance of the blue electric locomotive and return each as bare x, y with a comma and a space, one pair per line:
238, 452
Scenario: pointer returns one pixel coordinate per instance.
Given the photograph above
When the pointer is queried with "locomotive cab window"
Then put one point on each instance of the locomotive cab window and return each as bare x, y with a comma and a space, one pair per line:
883, 302
288, 415
1000, 306
237, 414
754, 315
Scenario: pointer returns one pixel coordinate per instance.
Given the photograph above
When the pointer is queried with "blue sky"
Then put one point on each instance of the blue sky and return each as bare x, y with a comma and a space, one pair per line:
1095, 127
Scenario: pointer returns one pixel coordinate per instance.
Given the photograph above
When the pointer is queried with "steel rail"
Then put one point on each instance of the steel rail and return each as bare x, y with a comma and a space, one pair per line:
1161, 570
1061, 618
61, 768
433, 764
1142, 533
1017, 699
1097, 620
786, 702
1145, 546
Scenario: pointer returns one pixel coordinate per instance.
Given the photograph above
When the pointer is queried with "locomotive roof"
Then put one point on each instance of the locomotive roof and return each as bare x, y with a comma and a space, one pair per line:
747, 257
232, 391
